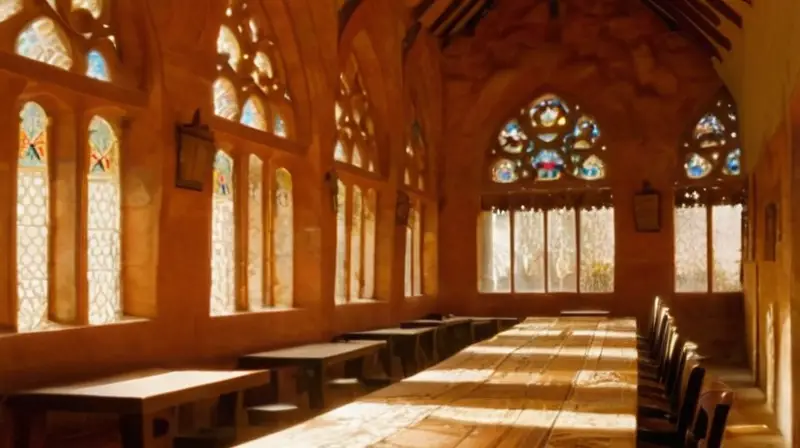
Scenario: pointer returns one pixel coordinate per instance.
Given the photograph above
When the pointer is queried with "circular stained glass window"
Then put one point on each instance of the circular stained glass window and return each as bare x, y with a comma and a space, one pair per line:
697, 166
504, 171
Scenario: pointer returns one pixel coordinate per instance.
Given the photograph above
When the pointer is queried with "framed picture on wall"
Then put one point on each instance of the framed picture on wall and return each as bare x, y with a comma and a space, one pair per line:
647, 209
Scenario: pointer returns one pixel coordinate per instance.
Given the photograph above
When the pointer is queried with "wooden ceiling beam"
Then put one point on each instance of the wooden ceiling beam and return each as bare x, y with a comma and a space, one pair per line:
460, 16
702, 24
706, 11
442, 19
421, 8
687, 26
728, 12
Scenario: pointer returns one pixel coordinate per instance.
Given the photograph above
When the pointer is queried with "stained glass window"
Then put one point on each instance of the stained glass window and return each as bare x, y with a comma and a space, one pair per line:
95, 7
9, 8
96, 66
103, 224
42, 40
355, 243
339, 153
370, 205
223, 229
229, 45
353, 121
253, 114
697, 166
225, 103
32, 219
280, 126
597, 250
547, 141
340, 295
255, 235
283, 239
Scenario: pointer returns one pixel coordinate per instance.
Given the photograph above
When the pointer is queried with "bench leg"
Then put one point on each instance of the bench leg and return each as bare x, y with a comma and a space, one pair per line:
316, 386
136, 430
30, 429
229, 410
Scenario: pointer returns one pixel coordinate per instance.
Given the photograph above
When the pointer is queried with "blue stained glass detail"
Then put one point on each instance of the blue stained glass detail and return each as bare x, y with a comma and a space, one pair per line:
504, 171
280, 126
511, 137
548, 165
592, 168
96, 66
586, 133
733, 163
709, 126
697, 167
548, 111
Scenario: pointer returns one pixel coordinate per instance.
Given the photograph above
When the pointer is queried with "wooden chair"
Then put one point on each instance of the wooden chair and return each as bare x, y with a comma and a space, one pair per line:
652, 322
708, 428
663, 432
664, 403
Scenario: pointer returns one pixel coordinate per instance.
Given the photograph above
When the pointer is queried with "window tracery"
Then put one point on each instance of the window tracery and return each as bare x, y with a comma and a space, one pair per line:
356, 142
250, 80
72, 35
548, 223
709, 204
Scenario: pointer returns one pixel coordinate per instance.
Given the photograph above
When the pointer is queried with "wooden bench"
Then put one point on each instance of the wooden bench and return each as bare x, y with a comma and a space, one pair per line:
411, 345
136, 398
313, 361
452, 333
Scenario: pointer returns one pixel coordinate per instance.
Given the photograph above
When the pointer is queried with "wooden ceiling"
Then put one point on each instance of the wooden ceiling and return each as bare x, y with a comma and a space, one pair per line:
711, 23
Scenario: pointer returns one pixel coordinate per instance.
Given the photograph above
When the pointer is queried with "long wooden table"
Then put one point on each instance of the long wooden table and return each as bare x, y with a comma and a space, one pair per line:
412, 345
136, 398
547, 382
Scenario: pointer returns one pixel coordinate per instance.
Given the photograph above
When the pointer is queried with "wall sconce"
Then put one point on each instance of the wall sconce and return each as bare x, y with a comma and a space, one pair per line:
195, 154
403, 208
332, 180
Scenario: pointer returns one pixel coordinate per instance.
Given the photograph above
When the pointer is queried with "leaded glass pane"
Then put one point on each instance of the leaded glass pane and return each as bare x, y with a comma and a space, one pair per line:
494, 252
355, 244
253, 114
370, 205
283, 239
9, 8
32, 219
529, 251
561, 251
42, 40
103, 224
225, 103
95, 7
280, 126
691, 249
340, 295
96, 66
417, 261
726, 244
597, 250
223, 229
339, 154
255, 234
228, 44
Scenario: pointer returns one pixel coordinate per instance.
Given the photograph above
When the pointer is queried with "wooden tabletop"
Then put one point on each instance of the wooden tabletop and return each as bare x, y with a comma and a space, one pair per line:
140, 393
547, 382
325, 352
391, 332
435, 322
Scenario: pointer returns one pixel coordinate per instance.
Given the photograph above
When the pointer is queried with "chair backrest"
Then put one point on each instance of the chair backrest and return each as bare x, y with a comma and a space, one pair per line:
662, 323
652, 321
691, 394
708, 427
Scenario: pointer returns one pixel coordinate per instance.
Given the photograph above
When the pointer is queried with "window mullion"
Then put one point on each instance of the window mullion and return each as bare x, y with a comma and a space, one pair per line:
512, 252
709, 248
546, 246
578, 249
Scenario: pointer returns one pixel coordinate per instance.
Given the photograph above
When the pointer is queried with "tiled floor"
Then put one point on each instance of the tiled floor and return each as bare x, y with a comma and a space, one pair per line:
750, 424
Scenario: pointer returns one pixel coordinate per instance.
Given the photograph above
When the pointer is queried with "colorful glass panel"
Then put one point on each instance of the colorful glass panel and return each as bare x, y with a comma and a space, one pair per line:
733, 162
697, 166
43, 41
547, 137
339, 154
283, 239
226, 105
586, 133
32, 213
253, 114
279, 126
95, 7
710, 132
548, 111
548, 165
223, 229
256, 261
592, 168
512, 137
504, 171
96, 66
9, 8
228, 44
104, 210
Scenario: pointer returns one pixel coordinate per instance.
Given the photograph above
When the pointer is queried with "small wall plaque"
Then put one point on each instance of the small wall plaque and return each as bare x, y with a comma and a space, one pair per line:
647, 209
195, 154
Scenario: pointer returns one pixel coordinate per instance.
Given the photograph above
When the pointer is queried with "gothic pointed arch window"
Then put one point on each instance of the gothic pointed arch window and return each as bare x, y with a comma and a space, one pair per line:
547, 224
72, 35
356, 227
709, 203
251, 84
414, 172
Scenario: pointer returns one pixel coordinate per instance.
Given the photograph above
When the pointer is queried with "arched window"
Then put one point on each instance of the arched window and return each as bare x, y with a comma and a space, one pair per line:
250, 63
414, 172
257, 273
223, 241
33, 217
356, 147
103, 224
283, 239
85, 48
709, 204
547, 224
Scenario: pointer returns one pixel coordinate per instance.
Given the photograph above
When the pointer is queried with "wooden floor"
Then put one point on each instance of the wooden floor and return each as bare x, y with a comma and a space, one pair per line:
555, 382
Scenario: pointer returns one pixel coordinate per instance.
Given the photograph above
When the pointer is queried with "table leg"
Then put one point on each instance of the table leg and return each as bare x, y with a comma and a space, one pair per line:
316, 385
410, 352
135, 430
387, 356
30, 429
354, 368
229, 410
